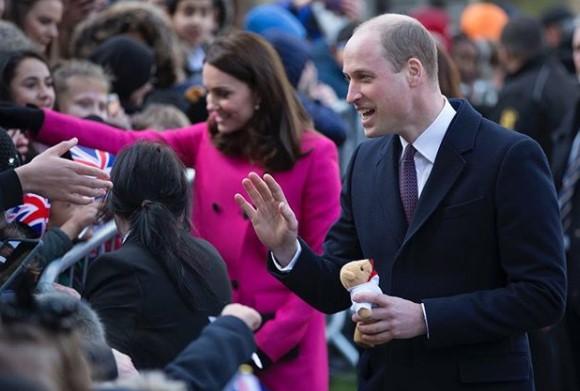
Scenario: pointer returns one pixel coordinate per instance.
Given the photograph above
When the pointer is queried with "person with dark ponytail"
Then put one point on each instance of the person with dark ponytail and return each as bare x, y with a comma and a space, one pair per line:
156, 292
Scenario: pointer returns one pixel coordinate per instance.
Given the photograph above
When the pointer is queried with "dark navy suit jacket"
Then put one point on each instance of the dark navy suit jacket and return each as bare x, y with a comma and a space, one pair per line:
483, 252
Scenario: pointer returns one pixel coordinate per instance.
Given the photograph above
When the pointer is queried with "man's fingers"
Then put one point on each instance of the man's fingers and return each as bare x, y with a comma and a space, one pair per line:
377, 299
377, 339
374, 327
76, 199
245, 205
60, 148
262, 187
253, 192
97, 186
86, 190
288, 215
275, 188
83, 169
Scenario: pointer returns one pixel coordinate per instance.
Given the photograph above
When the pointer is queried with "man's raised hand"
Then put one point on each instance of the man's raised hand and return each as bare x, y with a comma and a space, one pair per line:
273, 220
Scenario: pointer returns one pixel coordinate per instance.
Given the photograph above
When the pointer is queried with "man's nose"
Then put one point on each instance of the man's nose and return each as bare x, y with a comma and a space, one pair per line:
353, 93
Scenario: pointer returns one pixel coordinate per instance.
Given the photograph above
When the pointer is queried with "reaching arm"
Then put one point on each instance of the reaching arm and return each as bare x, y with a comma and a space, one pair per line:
276, 226
57, 126
340, 246
210, 361
51, 127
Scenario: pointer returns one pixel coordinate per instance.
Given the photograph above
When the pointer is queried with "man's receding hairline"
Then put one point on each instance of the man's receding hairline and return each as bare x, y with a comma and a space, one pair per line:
385, 23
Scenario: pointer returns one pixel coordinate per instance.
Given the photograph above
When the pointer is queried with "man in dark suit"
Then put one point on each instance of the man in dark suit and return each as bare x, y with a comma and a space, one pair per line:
459, 214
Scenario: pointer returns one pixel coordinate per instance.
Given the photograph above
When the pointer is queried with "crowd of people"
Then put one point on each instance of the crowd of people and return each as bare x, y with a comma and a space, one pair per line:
464, 195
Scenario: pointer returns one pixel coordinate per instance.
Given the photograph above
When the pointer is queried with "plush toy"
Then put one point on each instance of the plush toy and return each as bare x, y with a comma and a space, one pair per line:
360, 276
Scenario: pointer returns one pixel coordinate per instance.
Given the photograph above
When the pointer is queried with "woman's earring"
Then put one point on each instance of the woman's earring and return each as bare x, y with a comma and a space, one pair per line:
256, 107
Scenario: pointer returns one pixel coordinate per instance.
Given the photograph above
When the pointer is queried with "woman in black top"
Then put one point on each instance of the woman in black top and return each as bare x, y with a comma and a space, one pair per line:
155, 293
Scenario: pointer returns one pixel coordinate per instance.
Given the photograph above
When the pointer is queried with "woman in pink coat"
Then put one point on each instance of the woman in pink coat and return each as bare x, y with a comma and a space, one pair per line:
255, 124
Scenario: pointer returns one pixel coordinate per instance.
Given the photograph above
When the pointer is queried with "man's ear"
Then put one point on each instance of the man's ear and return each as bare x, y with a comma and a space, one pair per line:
415, 71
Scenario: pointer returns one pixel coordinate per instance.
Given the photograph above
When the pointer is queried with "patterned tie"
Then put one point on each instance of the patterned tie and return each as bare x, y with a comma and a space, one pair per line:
569, 181
408, 182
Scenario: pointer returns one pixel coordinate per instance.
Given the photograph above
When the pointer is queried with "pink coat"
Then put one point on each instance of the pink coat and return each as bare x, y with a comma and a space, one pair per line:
312, 188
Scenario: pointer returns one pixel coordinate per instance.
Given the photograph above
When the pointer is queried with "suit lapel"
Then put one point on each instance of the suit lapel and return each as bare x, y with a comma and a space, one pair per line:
387, 189
449, 164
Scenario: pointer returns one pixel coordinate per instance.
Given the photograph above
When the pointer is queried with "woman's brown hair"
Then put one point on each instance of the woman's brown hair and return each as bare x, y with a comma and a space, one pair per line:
272, 137
448, 75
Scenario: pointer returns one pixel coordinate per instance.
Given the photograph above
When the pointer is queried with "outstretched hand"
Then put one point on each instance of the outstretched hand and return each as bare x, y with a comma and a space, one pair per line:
61, 179
273, 220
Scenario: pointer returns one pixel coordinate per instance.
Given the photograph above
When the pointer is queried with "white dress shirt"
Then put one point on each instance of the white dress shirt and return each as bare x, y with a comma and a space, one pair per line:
427, 145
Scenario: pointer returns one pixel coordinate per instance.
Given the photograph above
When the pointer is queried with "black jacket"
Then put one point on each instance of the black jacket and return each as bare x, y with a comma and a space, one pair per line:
10, 190
210, 361
534, 100
142, 310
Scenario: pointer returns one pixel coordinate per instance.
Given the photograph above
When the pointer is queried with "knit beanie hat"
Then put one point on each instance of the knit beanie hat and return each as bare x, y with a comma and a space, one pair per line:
270, 16
129, 62
293, 52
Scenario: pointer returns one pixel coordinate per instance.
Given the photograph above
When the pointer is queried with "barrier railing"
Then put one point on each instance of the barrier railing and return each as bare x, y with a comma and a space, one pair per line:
79, 252
90, 249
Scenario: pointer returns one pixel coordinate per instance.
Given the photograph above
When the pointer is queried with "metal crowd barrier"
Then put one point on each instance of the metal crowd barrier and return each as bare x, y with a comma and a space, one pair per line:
80, 252
85, 251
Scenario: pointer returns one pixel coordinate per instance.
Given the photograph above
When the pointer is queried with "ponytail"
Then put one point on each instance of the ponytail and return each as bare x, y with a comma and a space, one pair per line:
156, 228
151, 192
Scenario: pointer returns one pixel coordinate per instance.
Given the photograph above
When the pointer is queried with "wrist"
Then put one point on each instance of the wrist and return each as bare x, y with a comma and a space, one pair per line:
284, 254
26, 180
71, 229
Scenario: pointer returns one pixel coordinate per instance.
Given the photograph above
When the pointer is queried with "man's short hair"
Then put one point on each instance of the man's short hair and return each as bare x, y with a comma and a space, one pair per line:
522, 37
403, 38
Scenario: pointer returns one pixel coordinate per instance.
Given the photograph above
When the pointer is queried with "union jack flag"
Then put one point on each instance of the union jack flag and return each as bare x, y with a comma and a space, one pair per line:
34, 212
93, 157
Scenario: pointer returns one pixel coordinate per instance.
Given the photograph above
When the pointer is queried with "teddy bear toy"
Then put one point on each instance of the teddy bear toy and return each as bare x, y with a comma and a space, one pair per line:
360, 276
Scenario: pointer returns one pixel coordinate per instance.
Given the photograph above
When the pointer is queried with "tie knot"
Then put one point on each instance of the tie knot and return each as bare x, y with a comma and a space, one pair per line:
409, 153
